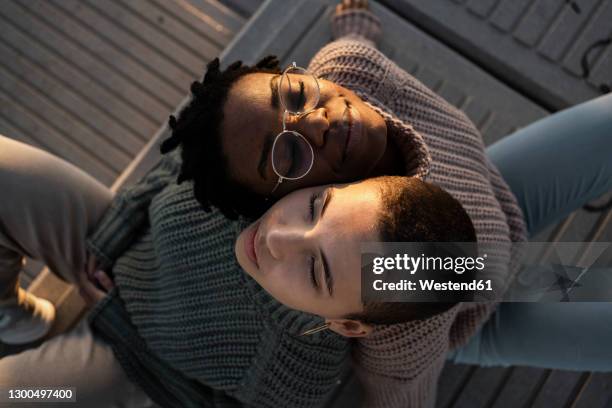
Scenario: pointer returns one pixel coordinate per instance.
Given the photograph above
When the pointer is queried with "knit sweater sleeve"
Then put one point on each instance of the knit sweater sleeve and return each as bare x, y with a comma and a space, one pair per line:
128, 212
353, 61
358, 24
399, 364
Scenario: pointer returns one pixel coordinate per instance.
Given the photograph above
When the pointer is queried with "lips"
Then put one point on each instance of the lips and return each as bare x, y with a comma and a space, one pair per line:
249, 244
354, 137
347, 122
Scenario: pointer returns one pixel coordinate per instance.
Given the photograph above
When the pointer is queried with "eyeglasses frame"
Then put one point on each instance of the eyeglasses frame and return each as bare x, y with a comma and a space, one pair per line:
299, 115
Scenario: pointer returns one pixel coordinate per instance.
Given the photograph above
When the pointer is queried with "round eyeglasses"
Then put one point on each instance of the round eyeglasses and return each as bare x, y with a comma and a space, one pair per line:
292, 154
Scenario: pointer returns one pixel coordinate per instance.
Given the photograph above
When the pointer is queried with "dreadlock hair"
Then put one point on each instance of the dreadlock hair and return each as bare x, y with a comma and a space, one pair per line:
416, 211
197, 131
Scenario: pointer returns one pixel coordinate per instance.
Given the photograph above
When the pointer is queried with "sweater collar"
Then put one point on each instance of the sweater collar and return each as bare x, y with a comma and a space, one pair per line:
417, 159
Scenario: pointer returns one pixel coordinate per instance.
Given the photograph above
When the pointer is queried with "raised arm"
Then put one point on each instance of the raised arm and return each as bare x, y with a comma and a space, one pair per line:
354, 20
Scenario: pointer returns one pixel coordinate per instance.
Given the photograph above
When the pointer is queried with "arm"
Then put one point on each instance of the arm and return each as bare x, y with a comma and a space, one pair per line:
352, 59
128, 212
354, 20
399, 364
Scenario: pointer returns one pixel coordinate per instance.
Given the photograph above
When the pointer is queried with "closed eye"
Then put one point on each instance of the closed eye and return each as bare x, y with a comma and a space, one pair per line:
313, 277
311, 205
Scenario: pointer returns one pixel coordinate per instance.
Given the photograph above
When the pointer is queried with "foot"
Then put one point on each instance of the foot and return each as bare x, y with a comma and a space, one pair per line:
25, 319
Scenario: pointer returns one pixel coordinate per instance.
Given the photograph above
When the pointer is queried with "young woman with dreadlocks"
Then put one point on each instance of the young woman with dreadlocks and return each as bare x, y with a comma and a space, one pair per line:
250, 136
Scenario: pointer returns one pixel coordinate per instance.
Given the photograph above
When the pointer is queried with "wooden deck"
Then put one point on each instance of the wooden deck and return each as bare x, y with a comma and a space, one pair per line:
92, 81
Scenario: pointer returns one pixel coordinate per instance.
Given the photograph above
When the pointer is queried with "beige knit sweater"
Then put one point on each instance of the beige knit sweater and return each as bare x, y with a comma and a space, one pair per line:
399, 365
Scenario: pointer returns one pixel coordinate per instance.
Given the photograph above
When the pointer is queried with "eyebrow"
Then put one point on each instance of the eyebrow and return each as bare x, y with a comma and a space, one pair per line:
329, 278
269, 138
273, 92
265, 153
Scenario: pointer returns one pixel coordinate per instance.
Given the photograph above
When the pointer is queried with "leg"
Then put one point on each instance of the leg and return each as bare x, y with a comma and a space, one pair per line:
48, 208
75, 359
553, 167
567, 336
558, 164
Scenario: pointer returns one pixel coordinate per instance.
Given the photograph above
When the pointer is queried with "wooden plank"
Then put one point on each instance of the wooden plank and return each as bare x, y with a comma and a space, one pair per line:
49, 136
58, 108
597, 392
175, 26
30, 63
314, 35
559, 389
8, 130
86, 73
145, 33
482, 387
585, 225
559, 37
272, 32
453, 379
208, 20
245, 8
92, 53
124, 42
598, 28
519, 387
535, 22
63, 70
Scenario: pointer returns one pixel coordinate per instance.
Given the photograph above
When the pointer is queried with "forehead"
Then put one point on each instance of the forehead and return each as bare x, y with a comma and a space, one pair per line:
350, 219
248, 118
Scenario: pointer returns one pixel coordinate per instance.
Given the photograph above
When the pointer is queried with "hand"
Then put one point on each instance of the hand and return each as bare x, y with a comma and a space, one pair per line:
92, 271
90, 266
89, 291
352, 5
91, 280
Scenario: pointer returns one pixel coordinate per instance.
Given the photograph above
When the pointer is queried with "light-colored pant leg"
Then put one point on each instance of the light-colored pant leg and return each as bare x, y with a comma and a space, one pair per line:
47, 208
75, 359
557, 164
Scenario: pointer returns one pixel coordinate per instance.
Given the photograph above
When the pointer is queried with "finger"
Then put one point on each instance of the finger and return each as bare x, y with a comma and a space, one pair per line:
104, 280
92, 294
91, 265
88, 291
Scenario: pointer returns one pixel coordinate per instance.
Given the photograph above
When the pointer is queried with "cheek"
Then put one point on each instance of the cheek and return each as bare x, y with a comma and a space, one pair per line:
285, 287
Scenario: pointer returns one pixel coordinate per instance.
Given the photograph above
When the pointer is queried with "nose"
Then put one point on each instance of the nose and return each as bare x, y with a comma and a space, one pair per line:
313, 126
285, 241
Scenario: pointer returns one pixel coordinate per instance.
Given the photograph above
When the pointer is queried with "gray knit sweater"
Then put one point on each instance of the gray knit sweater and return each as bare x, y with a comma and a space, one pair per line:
195, 309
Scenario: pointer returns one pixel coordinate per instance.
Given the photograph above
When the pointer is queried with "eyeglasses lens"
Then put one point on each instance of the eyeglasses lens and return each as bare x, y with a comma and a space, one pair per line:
298, 90
292, 156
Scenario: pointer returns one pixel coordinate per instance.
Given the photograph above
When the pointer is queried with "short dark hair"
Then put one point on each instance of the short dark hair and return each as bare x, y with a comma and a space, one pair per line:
416, 211
197, 131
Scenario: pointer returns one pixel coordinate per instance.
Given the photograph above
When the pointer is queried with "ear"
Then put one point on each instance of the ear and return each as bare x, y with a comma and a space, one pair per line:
349, 328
